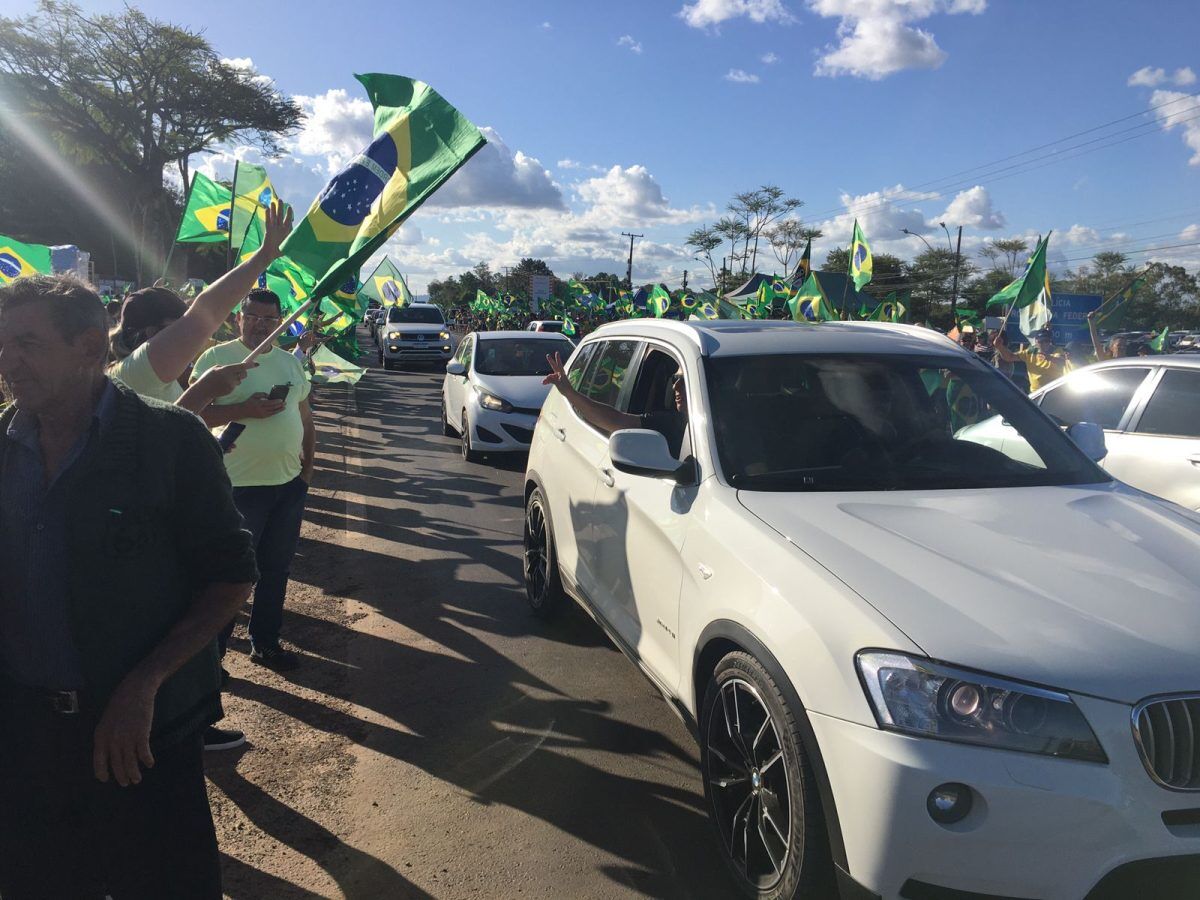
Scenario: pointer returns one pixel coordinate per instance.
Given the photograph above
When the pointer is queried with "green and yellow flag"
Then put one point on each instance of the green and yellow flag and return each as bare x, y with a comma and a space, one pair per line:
206, 218
329, 368
1112, 311
386, 285
810, 303
254, 194
568, 327
804, 268
18, 260
1159, 344
419, 141
658, 302
861, 262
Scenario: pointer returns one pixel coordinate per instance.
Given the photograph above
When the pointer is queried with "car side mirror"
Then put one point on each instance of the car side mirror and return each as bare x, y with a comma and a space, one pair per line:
640, 451
1089, 437
454, 367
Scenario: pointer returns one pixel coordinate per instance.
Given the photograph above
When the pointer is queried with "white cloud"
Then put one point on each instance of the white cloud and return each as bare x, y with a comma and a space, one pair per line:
973, 209
336, 127
1174, 109
877, 37
1080, 235
769, 59
1191, 233
547, 26
740, 76
569, 164
629, 197
709, 13
245, 65
1149, 76
627, 40
499, 177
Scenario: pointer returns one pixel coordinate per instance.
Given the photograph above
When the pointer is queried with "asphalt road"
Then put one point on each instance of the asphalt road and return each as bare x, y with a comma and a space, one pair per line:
439, 741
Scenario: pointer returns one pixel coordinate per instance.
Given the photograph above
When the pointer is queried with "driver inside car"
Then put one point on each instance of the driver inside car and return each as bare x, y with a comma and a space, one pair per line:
671, 423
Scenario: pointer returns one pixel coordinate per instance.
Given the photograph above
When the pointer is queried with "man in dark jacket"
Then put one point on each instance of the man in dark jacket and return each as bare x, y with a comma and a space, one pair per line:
121, 558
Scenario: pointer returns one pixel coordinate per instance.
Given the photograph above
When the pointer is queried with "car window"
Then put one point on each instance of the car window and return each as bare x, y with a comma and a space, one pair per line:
425, 314
579, 364
1175, 407
800, 422
1094, 395
605, 374
519, 356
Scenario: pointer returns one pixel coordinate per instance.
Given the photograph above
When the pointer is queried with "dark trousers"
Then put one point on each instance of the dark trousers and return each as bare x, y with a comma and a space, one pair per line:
273, 515
66, 836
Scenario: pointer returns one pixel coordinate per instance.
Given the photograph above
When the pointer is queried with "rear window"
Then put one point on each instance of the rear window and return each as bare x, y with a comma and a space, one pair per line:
1175, 407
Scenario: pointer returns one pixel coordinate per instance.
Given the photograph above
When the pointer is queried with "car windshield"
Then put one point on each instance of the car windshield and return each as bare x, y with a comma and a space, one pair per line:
551, 326
518, 356
419, 315
797, 422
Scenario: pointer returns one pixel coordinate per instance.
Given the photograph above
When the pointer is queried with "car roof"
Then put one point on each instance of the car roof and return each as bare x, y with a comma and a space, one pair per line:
524, 335
730, 337
1174, 360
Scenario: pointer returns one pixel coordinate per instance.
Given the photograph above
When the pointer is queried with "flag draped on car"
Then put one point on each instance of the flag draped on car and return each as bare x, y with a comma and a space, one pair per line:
419, 140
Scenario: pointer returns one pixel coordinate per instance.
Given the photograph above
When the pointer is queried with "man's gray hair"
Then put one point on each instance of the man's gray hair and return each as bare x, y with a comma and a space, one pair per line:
74, 305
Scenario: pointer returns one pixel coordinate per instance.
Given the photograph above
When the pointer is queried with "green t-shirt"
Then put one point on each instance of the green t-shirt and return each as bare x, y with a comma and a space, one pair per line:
136, 373
268, 451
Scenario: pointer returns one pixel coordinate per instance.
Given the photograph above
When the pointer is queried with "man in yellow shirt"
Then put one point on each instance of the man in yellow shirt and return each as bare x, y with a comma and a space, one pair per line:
1044, 365
271, 463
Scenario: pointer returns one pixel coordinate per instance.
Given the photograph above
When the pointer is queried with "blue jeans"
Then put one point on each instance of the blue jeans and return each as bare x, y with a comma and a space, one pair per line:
272, 514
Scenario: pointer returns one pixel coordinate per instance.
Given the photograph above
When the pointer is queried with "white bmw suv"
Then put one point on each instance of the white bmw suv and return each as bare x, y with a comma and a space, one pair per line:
916, 667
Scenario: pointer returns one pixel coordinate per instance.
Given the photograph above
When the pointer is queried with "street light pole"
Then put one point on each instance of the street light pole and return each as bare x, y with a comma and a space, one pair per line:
918, 237
629, 271
957, 257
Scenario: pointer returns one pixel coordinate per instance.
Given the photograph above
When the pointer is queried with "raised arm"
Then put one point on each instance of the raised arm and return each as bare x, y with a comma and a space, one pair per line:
174, 348
1097, 342
600, 415
1002, 349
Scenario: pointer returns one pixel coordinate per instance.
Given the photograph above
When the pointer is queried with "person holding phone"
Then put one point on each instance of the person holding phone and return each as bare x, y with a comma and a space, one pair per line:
272, 465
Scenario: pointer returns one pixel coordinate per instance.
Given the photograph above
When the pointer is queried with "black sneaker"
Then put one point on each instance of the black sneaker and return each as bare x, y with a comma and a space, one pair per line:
274, 657
222, 738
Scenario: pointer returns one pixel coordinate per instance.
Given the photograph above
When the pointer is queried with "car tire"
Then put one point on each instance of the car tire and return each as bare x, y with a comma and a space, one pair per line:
469, 454
447, 430
543, 583
761, 792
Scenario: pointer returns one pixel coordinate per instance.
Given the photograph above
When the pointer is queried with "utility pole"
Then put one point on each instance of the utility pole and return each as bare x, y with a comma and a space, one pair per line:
685, 279
954, 288
629, 271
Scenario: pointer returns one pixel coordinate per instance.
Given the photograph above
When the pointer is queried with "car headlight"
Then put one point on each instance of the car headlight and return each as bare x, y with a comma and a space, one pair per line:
443, 335
491, 401
917, 696
393, 335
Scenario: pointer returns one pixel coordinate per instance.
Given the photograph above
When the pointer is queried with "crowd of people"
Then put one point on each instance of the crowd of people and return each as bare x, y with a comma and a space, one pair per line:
130, 541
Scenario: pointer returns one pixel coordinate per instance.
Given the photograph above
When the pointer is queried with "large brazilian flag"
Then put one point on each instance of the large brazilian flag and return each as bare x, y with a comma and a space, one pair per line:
206, 219
254, 194
420, 140
386, 285
18, 260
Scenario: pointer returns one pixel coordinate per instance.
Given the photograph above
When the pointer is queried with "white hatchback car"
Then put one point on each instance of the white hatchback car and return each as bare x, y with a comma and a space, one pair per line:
1149, 408
493, 389
916, 666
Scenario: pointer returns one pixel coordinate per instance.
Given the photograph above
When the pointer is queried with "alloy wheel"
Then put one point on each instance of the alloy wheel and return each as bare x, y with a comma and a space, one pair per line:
750, 790
536, 554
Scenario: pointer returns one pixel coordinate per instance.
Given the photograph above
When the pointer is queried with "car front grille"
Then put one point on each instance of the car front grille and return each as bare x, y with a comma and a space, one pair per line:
1167, 732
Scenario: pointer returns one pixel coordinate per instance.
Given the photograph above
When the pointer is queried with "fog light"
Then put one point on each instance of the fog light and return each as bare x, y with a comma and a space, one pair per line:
949, 803
446, 349
394, 348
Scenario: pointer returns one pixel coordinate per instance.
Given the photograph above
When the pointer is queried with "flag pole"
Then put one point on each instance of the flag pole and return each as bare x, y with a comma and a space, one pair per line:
232, 206
187, 199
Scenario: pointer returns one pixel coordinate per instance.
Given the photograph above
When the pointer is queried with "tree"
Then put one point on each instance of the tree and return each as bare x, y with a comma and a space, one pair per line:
788, 238
756, 210
703, 241
733, 230
1007, 254
126, 96
931, 277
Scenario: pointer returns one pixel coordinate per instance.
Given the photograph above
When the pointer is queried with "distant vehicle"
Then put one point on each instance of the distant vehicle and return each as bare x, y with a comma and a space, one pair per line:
413, 333
551, 325
1149, 408
493, 390
373, 317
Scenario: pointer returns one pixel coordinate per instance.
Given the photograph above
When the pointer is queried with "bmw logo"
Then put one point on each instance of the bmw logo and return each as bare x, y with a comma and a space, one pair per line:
10, 266
348, 197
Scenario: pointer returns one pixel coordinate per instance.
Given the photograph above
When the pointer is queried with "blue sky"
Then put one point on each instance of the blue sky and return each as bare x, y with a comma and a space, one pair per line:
615, 116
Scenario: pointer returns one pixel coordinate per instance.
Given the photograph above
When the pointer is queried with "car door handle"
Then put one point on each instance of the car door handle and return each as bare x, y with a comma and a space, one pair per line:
606, 476
559, 433
1194, 459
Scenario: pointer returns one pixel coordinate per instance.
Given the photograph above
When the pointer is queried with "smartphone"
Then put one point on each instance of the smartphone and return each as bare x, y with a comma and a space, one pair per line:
279, 392
229, 434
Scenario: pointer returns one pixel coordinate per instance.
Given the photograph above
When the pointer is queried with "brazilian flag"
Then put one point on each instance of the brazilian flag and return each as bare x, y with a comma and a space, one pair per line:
254, 194
206, 219
861, 262
18, 260
1159, 344
291, 284
810, 302
805, 267
386, 285
658, 302
568, 326
1111, 312
419, 140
